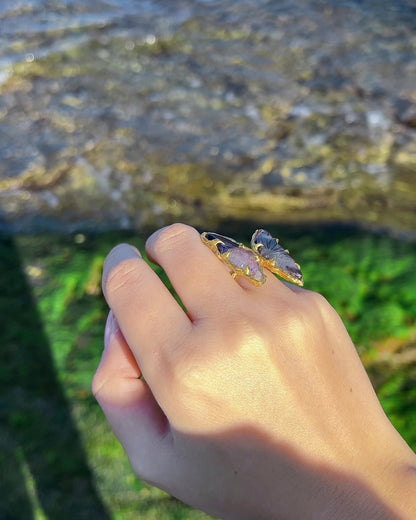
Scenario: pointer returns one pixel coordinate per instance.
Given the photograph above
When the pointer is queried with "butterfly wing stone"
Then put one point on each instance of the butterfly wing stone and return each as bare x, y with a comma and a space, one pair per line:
244, 262
240, 259
275, 258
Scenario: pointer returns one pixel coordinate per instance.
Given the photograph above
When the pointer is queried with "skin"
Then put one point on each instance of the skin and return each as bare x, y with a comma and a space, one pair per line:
254, 403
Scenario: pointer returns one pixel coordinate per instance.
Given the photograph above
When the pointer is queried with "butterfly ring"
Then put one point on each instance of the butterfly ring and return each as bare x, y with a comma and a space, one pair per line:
265, 252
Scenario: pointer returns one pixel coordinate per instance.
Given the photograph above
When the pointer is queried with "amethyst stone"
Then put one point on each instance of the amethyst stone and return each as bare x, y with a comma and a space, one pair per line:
244, 260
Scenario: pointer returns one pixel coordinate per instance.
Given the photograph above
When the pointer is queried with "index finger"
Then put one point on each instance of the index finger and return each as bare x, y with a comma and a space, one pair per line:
148, 315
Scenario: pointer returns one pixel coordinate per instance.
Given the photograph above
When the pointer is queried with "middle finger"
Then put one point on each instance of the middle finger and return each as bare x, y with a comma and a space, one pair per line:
202, 282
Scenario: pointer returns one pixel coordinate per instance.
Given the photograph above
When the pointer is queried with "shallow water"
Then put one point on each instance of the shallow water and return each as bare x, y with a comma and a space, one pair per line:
126, 114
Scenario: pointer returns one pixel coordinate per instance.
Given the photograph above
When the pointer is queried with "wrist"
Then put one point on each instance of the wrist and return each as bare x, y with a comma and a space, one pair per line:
390, 496
376, 482
392, 481
399, 490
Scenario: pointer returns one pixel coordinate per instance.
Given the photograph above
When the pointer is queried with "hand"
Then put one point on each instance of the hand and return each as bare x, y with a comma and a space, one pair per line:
254, 403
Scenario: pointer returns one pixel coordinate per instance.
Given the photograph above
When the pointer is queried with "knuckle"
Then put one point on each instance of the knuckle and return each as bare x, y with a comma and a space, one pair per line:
145, 466
314, 313
299, 324
99, 386
320, 304
195, 386
317, 299
292, 317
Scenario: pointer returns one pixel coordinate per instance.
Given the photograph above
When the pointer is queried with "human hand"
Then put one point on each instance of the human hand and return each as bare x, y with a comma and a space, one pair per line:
254, 403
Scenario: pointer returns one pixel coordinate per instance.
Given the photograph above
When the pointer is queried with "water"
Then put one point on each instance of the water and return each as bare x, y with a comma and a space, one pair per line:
132, 114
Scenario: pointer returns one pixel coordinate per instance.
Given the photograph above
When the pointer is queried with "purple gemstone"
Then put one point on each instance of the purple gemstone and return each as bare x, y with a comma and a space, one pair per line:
275, 258
241, 258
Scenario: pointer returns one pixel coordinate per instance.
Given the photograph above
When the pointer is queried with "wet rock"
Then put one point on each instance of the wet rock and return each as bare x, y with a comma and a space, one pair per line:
271, 180
406, 112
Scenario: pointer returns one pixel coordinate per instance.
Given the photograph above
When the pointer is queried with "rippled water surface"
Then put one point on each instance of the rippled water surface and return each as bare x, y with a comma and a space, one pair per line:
139, 113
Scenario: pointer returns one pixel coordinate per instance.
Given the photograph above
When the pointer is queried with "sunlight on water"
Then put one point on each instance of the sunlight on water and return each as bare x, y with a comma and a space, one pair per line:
120, 114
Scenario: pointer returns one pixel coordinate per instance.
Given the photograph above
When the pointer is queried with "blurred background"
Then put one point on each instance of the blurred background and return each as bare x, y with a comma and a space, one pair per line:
118, 117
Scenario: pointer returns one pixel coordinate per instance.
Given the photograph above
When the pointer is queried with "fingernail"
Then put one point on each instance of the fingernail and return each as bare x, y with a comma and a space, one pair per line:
111, 328
119, 254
